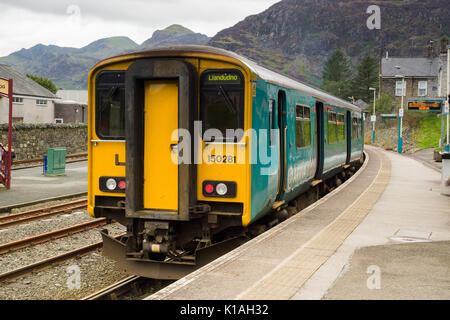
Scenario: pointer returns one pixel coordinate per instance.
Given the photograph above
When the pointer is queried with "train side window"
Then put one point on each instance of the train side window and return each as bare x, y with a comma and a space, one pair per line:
359, 128
271, 121
110, 105
341, 126
303, 126
355, 129
222, 101
332, 134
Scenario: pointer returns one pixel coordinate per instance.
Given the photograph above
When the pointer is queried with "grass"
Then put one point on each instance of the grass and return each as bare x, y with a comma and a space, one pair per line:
428, 133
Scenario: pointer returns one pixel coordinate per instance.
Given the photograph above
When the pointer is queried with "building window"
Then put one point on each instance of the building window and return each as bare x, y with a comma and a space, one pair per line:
59, 120
17, 100
303, 126
41, 102
398, 88
423, 85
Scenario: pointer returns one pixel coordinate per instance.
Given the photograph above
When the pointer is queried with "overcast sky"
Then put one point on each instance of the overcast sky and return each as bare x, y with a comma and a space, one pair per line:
76, 23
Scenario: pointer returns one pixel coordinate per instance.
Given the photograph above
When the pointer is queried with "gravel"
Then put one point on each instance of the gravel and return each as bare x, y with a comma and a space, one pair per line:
60, 282
96, 271
33, 228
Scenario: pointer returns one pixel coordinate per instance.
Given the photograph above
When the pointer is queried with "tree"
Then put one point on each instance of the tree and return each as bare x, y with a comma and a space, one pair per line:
336, 75
384, 104
365, 78
46, 83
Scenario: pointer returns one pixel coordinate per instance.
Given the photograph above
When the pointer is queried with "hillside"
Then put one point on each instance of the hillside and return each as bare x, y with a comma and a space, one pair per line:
297, 36
69, 67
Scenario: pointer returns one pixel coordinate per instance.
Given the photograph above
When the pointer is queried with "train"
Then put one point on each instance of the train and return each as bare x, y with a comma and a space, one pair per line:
190, 147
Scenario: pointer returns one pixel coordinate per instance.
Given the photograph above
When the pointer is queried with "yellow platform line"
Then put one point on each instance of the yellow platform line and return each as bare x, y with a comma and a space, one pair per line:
290, 275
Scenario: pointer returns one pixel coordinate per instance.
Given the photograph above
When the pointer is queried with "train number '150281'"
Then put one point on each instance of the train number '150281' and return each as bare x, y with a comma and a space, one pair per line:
221, 159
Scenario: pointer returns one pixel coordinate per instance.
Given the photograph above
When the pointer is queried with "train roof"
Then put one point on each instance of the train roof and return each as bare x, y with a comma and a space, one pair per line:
261, 72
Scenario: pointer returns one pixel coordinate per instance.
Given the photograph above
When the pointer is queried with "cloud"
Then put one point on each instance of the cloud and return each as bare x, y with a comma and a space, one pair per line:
79, 22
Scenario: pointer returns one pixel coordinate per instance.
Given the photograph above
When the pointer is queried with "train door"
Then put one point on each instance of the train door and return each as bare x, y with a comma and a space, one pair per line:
320, 137
160, 106
282, 125
160, 156
348, 126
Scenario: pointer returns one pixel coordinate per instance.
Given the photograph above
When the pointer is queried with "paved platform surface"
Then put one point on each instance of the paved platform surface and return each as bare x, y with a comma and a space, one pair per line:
426, 157
392, 211
405, 235
29, 185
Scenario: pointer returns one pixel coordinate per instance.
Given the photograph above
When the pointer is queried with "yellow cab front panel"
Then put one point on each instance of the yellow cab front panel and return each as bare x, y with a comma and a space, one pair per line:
157, 184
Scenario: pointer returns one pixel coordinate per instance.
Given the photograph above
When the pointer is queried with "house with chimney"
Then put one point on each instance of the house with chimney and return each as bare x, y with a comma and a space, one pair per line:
424, 77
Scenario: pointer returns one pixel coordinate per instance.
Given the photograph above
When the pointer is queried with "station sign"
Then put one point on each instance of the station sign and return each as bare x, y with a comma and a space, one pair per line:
4, 87
400, 112
425, 104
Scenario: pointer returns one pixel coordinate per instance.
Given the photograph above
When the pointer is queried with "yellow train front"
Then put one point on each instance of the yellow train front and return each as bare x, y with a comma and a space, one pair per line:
189, 145
157, 169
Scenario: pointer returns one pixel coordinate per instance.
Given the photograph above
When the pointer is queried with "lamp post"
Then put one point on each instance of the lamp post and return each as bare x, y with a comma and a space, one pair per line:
400, 115
374, 117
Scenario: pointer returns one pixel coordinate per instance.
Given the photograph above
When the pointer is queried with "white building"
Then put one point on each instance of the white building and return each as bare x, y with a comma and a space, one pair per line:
72, 107
32, 103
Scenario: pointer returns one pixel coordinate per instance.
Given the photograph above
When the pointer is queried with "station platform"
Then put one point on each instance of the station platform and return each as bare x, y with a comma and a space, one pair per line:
383, 234
30, 185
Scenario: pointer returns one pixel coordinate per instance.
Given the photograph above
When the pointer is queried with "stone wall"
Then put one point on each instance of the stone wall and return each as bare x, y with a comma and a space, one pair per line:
31, 141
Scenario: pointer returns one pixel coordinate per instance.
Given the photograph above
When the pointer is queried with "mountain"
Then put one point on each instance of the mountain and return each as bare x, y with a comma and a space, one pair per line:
68, 67
297, 36
174, 35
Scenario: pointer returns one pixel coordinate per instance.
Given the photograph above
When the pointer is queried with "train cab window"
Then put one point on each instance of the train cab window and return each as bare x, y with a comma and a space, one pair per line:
341, 127
222, 102
332, 127
110, 105
303, 126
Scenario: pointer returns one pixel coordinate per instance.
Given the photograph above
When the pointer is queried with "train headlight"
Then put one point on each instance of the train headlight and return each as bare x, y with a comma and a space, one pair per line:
111, 184
221, 189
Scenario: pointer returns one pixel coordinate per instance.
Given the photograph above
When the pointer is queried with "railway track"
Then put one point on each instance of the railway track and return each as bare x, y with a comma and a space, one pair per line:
40, 265
132, 287
41, 213
33, 163
52, 235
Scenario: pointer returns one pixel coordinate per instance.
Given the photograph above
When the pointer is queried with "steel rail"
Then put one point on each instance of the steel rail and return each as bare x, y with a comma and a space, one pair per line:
36, 214
52, 235
40, 265
113, 291
69, 156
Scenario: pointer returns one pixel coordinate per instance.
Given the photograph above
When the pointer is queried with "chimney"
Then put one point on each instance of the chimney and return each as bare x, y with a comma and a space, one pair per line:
444, 44
430, 49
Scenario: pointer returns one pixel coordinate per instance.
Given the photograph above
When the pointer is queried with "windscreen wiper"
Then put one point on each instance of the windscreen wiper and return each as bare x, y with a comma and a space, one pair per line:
227, 99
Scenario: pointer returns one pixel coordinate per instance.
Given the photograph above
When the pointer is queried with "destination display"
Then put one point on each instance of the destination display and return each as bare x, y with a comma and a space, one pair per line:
221, 78
425, 105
